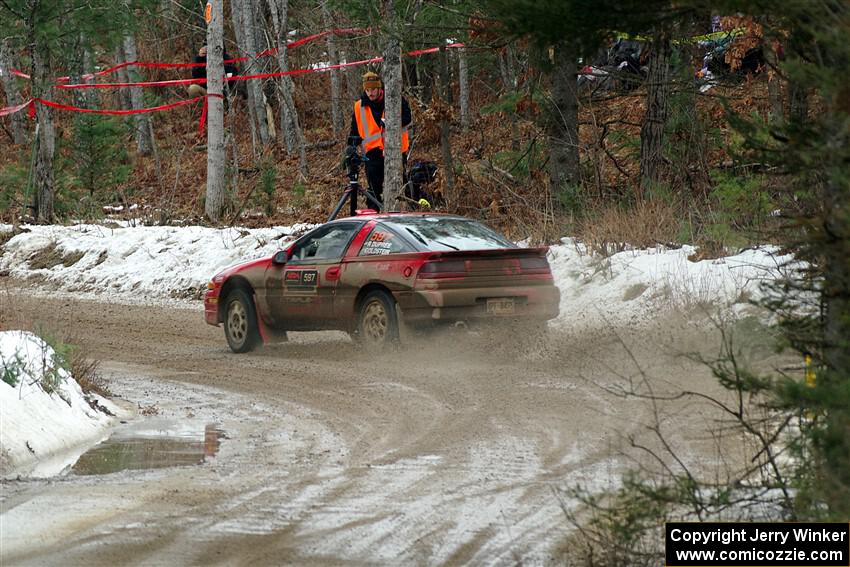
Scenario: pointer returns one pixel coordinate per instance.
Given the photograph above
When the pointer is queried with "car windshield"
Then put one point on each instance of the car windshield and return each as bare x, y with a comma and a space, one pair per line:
448, 233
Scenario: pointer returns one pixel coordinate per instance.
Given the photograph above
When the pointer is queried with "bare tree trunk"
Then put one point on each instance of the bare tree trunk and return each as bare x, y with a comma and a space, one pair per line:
13, 97
798, 93
216, 181
774, 87
799, 103
445, 128
46, 136
290, 126
657, 106
236, 14
337, 116
83, 98
123, 93
837, 276
463, 83
563, 123
509, 80
142, 122
353, 83
90, 96
392, 111
244, 24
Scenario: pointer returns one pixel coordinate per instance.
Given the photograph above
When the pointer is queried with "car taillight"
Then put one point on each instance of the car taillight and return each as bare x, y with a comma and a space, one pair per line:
534, 265
442, 269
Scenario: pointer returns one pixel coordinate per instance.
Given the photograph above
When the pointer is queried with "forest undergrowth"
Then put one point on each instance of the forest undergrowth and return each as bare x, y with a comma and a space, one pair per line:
711, 197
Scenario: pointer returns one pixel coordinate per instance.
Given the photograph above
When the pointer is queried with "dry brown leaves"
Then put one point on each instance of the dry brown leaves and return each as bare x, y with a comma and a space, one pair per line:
742, 44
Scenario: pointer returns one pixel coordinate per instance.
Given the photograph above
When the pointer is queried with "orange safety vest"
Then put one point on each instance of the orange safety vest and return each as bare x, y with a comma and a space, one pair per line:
371, 133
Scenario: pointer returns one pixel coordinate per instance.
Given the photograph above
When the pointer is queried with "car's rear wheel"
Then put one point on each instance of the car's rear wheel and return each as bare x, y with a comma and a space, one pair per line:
377, 323
240, 322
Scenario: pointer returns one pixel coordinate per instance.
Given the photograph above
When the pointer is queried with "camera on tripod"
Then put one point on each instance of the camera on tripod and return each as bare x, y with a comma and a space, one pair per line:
352, 162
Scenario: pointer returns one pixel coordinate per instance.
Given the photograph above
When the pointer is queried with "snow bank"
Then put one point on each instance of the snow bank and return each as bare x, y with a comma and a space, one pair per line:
41, 433
141, 262
160, 263
632, 287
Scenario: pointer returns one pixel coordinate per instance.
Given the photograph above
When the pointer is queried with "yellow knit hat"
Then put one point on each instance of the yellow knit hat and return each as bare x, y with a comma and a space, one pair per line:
371, 80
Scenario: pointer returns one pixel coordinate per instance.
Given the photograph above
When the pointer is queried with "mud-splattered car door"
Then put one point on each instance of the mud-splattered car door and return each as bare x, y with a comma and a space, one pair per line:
307, 282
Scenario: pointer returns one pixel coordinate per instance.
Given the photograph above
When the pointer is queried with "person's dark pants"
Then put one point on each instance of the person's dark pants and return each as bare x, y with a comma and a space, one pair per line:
375, 177
375, 174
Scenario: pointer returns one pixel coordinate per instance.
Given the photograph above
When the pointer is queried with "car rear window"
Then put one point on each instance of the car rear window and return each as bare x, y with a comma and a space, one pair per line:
447, 233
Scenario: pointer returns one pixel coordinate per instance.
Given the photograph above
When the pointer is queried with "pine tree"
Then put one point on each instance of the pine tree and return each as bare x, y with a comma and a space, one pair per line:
42, 28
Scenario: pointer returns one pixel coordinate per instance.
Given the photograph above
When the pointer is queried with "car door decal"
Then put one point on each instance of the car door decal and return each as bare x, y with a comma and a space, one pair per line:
301, 280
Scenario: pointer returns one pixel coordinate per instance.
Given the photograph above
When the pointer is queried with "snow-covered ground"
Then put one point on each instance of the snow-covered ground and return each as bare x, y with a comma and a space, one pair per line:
158, 264
164, 264
46, 421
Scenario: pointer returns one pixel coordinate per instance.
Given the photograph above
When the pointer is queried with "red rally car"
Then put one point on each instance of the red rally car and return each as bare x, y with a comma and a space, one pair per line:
372, 273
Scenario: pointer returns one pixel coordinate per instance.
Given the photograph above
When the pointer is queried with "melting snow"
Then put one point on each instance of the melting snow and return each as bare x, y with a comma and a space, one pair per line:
157, 264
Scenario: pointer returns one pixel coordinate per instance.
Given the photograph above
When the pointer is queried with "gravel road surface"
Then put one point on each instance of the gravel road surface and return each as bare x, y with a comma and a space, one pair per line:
450, 451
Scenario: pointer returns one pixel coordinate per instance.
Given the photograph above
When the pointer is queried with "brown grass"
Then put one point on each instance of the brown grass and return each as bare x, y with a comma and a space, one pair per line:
84, 368
85, 371
6, 236
612, 229
51, 256
46, 258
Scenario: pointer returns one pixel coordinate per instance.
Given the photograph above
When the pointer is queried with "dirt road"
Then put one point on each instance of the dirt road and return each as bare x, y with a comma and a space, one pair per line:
447, 452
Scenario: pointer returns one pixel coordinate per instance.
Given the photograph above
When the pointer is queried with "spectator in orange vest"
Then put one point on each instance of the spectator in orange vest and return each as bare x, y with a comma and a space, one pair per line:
367, 129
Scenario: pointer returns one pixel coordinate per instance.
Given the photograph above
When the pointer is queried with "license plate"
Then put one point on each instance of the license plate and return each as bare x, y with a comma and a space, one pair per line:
500, 306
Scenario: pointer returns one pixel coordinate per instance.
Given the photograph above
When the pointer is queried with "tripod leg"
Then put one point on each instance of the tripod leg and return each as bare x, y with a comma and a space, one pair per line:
353, 196
345, 195
370, 198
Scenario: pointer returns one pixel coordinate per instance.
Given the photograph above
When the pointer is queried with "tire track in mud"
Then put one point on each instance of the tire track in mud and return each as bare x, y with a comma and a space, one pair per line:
447, 452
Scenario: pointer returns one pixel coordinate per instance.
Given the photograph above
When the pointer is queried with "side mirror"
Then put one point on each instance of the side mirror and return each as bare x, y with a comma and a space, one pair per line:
280, 257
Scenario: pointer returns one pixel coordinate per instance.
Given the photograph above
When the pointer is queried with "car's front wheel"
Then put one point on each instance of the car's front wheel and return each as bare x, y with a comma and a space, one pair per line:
377, 323
240, 322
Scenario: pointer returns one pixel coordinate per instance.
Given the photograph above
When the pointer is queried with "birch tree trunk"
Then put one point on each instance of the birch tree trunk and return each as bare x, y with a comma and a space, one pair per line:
337, 116
141, 122
655, 119
13, 97
392, 111
563, 122
45, 135
463, 83
292, 133
216, 182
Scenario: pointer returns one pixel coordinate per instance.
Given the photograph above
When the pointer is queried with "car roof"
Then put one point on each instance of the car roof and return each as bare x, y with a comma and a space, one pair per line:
389, 216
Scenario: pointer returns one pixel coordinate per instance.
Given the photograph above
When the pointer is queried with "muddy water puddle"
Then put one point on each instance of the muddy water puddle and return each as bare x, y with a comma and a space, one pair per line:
152, 444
